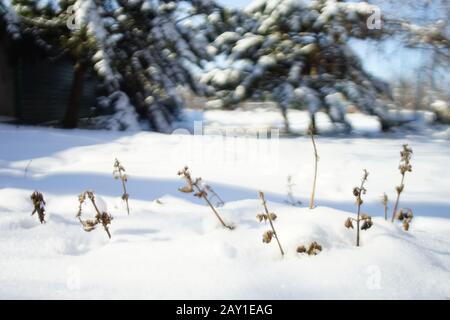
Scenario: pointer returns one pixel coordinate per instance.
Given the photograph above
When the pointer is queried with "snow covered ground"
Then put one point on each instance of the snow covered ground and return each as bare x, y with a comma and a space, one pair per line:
175, 247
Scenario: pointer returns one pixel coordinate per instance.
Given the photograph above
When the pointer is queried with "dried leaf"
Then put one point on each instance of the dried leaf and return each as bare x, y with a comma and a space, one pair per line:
349, 223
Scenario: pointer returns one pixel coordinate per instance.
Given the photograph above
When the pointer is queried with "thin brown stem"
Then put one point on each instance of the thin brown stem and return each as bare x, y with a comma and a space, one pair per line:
261, 194
313, 193
125, 192
357, 223
398, 198
204, 196
359, 201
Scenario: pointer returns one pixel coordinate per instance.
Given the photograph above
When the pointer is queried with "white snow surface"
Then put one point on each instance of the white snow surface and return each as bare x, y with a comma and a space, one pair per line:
175, 247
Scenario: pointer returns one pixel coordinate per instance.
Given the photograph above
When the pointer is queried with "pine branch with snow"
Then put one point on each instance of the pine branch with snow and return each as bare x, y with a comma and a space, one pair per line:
296, 54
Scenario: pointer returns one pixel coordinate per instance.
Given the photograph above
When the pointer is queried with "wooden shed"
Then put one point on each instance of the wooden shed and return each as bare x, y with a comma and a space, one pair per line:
35, 87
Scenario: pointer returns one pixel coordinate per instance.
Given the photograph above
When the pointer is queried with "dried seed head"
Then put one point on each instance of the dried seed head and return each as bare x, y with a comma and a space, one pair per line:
186, 189
400, 188
267, 236
314, 249
365, 175
349, 223
273, 216
406, 225
200, 194
405, 214
356, 192
367, 224
301, 249
39, 205
261, 217
405, 158
364, 216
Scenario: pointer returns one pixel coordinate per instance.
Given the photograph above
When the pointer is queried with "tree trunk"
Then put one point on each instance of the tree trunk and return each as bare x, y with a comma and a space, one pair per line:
284, 112
312, 125
71, 117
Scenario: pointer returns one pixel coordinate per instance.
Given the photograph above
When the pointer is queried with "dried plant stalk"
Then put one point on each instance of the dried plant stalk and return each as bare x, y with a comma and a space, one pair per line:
195, 186
385, 205
367, 220
119, 173
405, 166
102, 218
267, 216
316, 156
39, 205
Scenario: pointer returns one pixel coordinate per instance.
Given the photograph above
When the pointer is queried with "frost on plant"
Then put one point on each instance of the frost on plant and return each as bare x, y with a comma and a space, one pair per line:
290, 194
119, 173
404, 167
405, 215
313, 249
101, 217
196, 187
270, 217
39, 205
361, 217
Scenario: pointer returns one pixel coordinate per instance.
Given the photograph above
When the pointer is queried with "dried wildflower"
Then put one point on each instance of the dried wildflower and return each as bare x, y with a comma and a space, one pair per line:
268, 216
385, 202
405, 215
267, 236
367, 223
313, 249
290, 194
39, 205
119, 173
348, 223
316, 157
404, 167
301, 249
195, 186
365, 218
264, 217
102, 218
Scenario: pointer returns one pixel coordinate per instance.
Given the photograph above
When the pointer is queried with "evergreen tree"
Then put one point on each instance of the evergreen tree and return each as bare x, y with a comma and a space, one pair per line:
143, 49
296, 53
